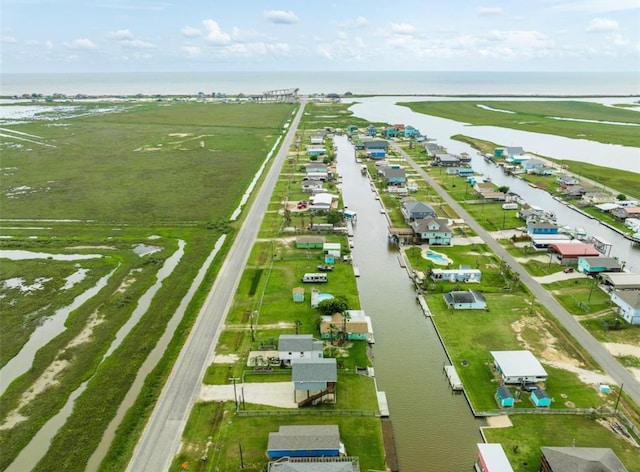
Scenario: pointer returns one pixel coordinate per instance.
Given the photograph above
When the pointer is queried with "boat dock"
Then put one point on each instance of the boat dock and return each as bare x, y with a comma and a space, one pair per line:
389, 445
423, 305
356, 271
454, 379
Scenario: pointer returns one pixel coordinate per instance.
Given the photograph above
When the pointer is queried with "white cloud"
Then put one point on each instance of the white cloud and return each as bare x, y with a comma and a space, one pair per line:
190, 32
353, 23
81, 43
595, 6
214, 33
602, 24
120, 34
281, 17
138, 44
192, 51
403, 28
490, 11
7, 38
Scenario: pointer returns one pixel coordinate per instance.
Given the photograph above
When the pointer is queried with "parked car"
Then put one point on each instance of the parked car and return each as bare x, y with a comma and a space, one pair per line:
529, 387
567, 270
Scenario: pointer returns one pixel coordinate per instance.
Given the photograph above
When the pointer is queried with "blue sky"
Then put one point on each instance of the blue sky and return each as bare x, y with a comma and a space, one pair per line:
248, 35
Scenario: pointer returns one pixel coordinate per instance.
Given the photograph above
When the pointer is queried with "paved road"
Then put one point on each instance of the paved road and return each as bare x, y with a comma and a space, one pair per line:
606, 361
161, 438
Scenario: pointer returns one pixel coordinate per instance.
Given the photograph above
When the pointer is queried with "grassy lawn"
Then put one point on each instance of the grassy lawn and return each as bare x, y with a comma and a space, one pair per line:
531, 432
580, 296
537, 116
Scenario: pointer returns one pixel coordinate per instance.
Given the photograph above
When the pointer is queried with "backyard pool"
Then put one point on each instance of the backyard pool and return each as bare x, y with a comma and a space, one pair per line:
436, 257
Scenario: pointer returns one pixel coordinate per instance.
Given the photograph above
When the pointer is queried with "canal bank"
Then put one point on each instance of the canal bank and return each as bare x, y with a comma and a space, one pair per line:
433, 427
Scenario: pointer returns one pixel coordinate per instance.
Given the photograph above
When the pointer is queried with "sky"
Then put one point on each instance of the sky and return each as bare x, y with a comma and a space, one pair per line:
280, 35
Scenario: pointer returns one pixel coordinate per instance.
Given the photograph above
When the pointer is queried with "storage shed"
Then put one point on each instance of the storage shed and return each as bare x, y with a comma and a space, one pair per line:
518, 367
504, 397
540, 398
304, 441
491, 458
298, 294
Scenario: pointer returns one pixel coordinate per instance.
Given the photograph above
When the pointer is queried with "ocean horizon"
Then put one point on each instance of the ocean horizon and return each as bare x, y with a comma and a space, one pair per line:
323, 82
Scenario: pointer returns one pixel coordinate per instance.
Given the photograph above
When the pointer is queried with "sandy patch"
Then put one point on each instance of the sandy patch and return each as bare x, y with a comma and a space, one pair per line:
550, 353
86, 334
180, 135
502, 421
226, 359
586, 376
128, 281
278, 394
617, 349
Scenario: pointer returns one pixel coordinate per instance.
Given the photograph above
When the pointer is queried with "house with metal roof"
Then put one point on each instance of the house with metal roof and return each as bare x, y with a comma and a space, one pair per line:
491, 458
393, 176
518, 367
597, 265
444, 159
317, 464
621, 280
413, 210
465, 300
314, 380
299, 346
628, 302
568, 252
580, 459
623, 213
304, 441
463, 274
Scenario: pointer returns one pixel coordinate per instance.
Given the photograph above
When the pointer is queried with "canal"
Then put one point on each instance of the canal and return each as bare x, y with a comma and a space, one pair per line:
384, 109
434, 428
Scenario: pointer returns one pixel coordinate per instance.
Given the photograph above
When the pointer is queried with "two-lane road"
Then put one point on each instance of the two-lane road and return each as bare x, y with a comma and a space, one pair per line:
606, 361
161, 438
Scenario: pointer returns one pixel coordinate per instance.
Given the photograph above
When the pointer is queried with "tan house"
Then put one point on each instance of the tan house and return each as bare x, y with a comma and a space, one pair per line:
594, 198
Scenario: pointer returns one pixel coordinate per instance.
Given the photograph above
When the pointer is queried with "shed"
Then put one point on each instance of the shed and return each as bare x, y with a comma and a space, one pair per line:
304, 441
518, 367
310, 242
540, 398
504, 396
332, 249
491, 458
298, 294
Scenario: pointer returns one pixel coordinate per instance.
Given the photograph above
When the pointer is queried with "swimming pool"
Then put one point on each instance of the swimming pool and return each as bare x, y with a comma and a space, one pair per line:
436, 257
324, 296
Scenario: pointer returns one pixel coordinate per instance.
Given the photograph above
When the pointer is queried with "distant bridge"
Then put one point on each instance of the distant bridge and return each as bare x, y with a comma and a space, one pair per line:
279, 95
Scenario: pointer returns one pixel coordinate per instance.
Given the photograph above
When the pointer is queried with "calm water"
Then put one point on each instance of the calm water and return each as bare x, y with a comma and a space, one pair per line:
434, 429
309, 82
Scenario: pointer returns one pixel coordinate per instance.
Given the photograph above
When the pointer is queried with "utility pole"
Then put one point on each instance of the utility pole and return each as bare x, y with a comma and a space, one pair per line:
618, 399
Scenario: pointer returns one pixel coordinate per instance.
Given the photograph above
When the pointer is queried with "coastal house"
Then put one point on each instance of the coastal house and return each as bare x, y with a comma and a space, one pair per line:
568, 252
518, 367
332, 249
371, 131
633, 224
314, 380
514, 154
622, 213
530, 166
621, 281
310, 242
313, 185
593, 198
316, 139
315, 150
321, 202
540, 398
465, 275
579, 459
628, 303
541, 228
597, 265
413, 210
566, 181
393, 176
390, 132
298, 346
304, 441
491, 458
444, 159
432, 149
354, 325
376, 149
465, 300
411, 132
504, 397
316, 167
433, 231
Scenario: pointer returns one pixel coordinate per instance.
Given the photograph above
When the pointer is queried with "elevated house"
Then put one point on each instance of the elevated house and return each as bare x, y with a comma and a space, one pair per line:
628, 303
393, 176
598, 265
444, 159
432, 149
566, 181
298, 346
580, 459
316, 167
433, 231
321, 202
621, 281
622, 213
542, 228
313, 185
465, 300
411, 132
371, 131
593, 198
413, 210
315, 150
518, 367
633, 224
531, 166
316, 139
314, 380
304, 441
390, 132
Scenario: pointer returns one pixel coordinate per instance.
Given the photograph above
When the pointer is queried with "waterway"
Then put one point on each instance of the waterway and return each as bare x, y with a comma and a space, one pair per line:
384, 109
434, 428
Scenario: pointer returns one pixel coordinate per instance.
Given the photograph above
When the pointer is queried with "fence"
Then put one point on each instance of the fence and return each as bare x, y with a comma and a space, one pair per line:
307, 412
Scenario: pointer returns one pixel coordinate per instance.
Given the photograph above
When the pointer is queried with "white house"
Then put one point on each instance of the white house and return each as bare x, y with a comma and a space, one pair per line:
628, 302
518, 367
299, 346
321, 201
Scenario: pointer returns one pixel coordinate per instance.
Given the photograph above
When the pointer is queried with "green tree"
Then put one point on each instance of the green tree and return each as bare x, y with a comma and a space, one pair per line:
334, 305
503, 188
334, 217
621, 197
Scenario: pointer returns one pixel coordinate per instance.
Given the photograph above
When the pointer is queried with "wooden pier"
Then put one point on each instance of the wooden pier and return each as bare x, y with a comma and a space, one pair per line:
389, 445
